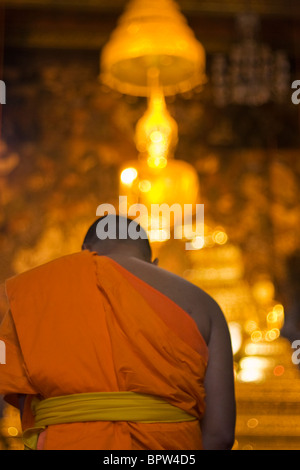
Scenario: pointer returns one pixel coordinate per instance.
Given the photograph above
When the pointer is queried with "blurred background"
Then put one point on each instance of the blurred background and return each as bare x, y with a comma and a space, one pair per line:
78, 130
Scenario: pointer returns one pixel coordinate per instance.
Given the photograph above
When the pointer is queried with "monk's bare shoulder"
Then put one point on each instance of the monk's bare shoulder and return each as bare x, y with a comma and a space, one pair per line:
191, 298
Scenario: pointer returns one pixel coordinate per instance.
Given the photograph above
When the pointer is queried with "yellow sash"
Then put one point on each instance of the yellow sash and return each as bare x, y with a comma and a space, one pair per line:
102, 406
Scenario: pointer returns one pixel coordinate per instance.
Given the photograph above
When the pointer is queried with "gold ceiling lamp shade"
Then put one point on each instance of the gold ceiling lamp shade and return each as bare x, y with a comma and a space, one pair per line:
152, 34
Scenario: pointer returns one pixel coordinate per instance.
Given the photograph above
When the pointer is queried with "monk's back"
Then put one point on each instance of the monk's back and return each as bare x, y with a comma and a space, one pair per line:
189, 297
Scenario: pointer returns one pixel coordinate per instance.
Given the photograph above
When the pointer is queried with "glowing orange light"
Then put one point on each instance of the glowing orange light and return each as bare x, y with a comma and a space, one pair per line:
273, 334
220, 237
251, 326
278, 370
272, 317
252, 423
144, 186
256, 336
156, 137
198, 242
263, 291
156, 131
128, 175
156, 161
12, 431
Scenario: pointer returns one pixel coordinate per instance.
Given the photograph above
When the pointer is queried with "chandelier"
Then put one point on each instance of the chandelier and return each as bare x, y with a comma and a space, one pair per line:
252, 74
152, 34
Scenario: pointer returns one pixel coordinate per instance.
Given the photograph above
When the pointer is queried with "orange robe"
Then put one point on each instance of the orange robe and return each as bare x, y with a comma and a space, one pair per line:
83, 323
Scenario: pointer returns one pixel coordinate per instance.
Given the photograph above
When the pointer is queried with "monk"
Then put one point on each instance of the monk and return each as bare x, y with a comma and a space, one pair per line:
105, 350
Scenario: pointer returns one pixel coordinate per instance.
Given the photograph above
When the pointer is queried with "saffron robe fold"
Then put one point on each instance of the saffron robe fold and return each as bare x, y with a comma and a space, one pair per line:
83, 323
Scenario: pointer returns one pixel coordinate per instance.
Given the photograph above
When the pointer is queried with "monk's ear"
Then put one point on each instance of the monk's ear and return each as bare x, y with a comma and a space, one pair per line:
155, 261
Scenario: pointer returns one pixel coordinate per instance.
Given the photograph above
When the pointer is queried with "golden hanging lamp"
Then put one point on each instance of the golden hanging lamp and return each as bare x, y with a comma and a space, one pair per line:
152, 35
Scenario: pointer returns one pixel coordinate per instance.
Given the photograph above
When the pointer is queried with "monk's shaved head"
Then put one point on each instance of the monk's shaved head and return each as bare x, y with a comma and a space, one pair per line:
112, 232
